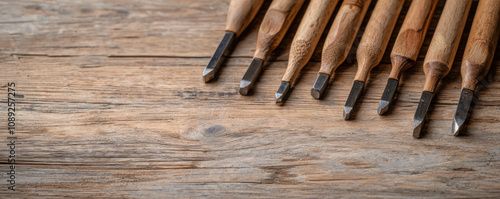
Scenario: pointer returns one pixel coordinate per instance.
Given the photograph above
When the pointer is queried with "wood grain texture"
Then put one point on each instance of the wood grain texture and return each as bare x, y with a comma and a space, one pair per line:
481, 45
241, 13
114, 107
444, 44
275, 24
342, 34
376, 36
411, 36
307, 37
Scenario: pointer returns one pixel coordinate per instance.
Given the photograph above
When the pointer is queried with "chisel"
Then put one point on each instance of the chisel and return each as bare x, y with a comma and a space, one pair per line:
310, 29
339, 41
372, 47
239, 16
440, 55
276, 22
407, 46
478, 56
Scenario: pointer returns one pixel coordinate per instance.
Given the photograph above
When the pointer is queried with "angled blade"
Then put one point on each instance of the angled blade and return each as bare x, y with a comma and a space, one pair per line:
421, 113
220, 54
353, 98
250, 76
463, 108
320, 86
388, 96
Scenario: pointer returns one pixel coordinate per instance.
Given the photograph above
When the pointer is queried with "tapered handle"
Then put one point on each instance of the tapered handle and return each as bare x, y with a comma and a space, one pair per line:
481, 43
376, 36
342, 34
241, 13
444, 44
276, 22
411, 36
310, 29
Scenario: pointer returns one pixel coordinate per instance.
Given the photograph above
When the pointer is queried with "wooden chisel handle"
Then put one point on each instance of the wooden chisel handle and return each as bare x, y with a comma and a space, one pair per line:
276, 22
481, 43
240, 14
411, 36
310, 29
444, 44
342, 34
376, 36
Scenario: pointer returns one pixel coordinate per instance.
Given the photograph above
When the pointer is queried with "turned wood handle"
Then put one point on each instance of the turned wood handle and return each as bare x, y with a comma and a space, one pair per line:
310, 29
481, 43
444, 44
376, 36
342, 34
240, 14
276, 22
411, 36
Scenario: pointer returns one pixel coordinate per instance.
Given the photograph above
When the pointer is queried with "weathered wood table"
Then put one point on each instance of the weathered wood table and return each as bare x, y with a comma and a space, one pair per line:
110, 103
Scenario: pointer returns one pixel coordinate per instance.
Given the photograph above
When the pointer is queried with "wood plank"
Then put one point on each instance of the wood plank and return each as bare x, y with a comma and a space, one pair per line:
114, 106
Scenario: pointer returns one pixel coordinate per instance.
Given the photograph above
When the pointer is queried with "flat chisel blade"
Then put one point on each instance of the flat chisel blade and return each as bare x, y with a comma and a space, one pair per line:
283, 92
352, 99
222, 51
388, 96
421, 113
463, 108
320, 85
250, 76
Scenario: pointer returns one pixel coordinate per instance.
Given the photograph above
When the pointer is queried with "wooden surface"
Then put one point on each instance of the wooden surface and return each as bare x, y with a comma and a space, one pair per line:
114, 106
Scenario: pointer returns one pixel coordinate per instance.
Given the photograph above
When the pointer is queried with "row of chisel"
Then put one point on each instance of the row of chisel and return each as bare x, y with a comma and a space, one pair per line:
439, 58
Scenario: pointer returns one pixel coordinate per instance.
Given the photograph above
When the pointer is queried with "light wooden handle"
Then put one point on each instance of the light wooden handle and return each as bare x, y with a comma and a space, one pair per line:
411, 36
342, 34
444, 44
310, 29
376, 36
240, 14
481, 43
276, 22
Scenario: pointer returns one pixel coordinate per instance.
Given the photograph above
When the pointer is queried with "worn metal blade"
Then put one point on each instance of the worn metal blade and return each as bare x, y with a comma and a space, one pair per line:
220, 54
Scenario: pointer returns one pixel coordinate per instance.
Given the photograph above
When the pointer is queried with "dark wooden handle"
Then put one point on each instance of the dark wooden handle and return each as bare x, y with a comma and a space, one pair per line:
444, 44
342, 34
241, 13
411, 36
310, 29
481, 43
376, 36
276, 22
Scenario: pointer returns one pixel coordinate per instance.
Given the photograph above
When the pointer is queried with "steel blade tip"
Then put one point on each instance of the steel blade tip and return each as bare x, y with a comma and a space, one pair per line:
220, 54
250, 77
320, 86
353, 98
208, 74
421, 113
456, 127
387, 96
383, 107
417, 128
245, 87
282, 93
462, 113
347, 112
